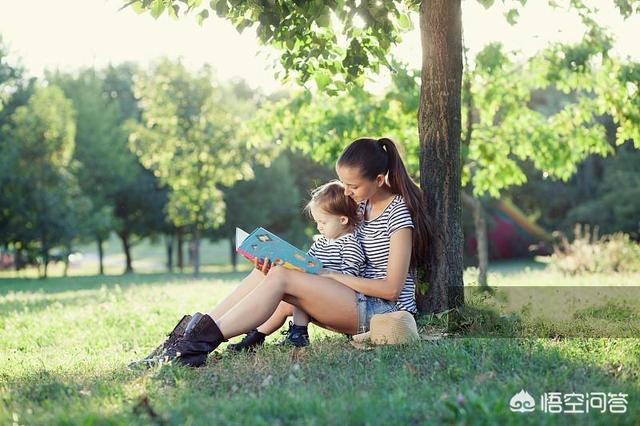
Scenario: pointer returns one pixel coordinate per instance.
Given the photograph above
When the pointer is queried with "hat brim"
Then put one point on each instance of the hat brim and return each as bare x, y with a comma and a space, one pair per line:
361, 341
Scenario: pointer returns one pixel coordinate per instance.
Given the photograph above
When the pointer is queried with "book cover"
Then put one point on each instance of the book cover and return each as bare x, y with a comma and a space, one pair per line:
263, 244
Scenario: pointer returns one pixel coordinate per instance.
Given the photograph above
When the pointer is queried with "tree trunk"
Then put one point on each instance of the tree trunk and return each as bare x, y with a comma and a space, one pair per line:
45, 262
480, 225
169, 239
180, 254
233, 253
17, 259
196, 252
126, 246
440, 165
67, 253
100, 256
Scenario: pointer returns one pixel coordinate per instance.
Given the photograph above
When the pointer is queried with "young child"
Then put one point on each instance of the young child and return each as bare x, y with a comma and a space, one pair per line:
336, 218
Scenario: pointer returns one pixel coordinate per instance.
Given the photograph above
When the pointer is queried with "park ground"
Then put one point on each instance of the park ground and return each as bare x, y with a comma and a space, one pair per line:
66, 343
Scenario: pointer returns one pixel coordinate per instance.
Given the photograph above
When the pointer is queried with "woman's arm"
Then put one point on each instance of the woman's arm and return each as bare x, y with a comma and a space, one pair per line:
397, 270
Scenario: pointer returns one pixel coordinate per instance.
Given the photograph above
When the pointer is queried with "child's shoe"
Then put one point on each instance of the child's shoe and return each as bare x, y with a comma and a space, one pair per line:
250, 342
297, 335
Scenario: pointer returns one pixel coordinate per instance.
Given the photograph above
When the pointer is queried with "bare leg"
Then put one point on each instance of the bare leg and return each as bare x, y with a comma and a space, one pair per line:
245, 287
300, 317
277, 319
327, 301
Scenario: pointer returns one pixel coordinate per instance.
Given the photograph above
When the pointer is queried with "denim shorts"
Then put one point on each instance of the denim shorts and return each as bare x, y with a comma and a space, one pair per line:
369, 306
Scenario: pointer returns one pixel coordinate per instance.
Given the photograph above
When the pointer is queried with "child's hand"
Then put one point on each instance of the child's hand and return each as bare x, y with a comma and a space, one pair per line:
262, 265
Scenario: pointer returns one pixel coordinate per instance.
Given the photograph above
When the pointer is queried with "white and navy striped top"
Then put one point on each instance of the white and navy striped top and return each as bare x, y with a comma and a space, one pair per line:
375, 237
344, 254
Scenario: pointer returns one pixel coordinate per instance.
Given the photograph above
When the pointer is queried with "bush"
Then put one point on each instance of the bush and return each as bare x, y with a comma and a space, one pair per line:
588, 253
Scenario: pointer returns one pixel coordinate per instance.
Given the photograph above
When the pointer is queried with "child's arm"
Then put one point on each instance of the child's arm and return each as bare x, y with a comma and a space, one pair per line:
353, 258
390, 287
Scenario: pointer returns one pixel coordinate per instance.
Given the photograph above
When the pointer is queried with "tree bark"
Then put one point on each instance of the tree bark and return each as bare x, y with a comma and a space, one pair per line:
45, 262
100, 257
169, 239
17, 259
196, 252
67, 253
440, 165
180, 254
126, 246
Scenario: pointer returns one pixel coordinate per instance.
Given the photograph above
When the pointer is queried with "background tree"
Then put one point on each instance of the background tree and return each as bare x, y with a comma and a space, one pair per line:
272, 189
104, 163
35, 169
15, 91
189, 141
139, 199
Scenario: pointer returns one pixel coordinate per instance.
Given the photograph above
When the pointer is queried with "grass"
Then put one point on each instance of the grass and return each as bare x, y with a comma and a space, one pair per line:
148, 257
66, 343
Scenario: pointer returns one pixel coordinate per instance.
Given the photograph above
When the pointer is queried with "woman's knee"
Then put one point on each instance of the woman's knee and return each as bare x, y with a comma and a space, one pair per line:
277, 276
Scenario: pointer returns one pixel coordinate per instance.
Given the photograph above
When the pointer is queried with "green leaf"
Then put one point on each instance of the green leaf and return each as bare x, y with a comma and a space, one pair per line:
291, 42
204, 14
222, 9
324, 20
404, 22
512, 16
486, 3
323, 78
157, 7
244, 24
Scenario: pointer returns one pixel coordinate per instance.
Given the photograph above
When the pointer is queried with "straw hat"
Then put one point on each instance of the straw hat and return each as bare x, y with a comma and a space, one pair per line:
388, 329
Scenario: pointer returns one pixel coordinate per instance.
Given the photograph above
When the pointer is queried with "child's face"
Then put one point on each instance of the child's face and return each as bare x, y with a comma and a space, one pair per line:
329, 225
357, 187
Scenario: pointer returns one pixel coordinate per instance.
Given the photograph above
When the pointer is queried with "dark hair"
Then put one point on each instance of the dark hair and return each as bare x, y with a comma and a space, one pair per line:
373, 157
330, 198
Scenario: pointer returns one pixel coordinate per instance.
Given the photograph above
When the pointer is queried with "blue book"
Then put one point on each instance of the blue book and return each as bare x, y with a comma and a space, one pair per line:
262, 244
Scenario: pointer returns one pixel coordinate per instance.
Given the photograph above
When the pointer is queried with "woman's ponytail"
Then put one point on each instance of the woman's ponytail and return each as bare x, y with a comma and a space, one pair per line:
401, 183
375, 157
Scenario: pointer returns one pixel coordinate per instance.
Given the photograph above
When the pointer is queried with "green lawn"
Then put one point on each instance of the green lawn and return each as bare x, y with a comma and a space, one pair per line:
148, 257
65, 344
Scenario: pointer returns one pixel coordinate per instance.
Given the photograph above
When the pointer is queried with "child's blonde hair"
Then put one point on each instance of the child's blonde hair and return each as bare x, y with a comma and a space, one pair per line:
330, 198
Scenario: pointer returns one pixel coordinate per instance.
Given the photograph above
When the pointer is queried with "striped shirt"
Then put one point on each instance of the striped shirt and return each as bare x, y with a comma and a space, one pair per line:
344, 254
375, 237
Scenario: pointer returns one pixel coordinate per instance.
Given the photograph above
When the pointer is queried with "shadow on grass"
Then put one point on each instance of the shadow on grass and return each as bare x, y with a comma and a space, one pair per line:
451, 381
61, 284
526, 312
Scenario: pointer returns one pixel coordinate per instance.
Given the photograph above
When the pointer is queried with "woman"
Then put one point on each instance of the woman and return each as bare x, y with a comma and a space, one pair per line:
393, 234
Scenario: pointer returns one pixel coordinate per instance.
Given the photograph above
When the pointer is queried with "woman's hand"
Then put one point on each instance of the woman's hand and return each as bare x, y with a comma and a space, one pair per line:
263, 266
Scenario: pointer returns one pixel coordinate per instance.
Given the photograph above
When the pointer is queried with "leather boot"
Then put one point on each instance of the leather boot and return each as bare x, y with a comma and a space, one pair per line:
155, 356
201, 337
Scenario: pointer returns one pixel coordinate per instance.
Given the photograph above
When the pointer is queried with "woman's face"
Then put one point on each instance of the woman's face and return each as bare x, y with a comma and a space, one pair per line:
356, 186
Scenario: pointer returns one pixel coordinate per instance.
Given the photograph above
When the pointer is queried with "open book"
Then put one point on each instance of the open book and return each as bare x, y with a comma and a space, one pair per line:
263, 244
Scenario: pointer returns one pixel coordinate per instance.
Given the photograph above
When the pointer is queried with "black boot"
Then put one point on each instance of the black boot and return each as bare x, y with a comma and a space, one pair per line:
201, 337
249, 342
297, 335
177, 332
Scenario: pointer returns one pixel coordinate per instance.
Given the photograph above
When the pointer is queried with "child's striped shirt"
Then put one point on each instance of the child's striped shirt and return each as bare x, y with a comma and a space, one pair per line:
344, 254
